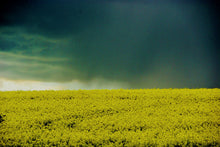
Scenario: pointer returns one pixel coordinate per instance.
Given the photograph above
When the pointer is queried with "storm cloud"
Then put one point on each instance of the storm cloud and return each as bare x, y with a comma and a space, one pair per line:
141, 43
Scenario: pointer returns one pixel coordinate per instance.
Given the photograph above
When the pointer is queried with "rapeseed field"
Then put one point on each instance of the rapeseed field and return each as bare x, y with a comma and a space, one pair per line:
144, 117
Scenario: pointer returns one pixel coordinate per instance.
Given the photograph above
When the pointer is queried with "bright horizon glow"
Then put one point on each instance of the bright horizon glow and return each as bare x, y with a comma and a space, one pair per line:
28, 85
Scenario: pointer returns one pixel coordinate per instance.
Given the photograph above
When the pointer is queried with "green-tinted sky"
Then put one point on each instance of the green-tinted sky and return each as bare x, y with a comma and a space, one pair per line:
133, 44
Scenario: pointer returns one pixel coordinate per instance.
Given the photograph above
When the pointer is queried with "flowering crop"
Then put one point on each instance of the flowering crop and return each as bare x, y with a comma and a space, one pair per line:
144, 117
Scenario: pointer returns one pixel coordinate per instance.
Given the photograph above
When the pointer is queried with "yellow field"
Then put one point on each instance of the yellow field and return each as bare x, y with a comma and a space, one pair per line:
156, 117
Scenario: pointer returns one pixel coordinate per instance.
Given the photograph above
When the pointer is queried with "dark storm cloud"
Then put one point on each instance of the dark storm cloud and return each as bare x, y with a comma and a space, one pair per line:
55, 18
10, 7
215, 9
147, 44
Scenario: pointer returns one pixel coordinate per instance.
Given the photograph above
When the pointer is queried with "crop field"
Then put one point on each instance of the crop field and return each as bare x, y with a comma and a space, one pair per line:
144, 117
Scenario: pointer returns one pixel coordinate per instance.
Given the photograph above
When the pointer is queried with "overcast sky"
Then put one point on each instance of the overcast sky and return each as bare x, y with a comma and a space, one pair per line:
93, 44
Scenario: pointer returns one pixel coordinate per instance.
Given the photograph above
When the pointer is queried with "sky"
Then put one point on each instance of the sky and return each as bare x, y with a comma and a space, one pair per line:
109, 44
